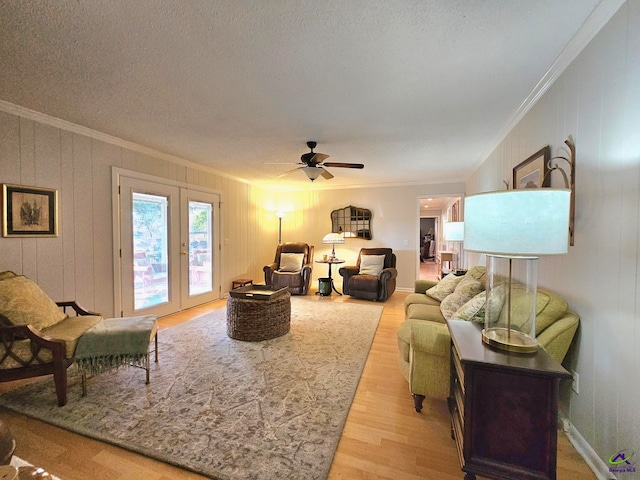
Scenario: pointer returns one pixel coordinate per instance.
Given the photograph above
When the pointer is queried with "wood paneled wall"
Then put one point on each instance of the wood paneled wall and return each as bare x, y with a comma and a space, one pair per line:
78, 264
597, 101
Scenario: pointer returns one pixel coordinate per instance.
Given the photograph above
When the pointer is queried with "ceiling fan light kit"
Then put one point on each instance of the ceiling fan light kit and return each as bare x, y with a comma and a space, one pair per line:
312, 172
312, 164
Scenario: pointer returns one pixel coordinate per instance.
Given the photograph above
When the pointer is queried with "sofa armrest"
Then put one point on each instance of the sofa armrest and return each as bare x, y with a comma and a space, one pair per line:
557, 337
387, 282
306, 276
429, 369
268, 272
346, 273
421, 286
431, 337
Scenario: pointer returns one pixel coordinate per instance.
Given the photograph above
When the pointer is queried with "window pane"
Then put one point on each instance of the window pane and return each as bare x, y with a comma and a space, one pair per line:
200, 244
150, 253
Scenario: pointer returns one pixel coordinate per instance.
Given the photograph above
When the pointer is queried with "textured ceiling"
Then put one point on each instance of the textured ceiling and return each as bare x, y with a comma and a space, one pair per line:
415, 90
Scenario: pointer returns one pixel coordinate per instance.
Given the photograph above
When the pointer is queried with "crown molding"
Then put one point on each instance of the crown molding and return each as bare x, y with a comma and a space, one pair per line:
103, 137
598, 18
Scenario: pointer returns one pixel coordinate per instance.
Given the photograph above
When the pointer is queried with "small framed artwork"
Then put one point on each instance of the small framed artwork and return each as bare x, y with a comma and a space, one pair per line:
532, 173
29, 211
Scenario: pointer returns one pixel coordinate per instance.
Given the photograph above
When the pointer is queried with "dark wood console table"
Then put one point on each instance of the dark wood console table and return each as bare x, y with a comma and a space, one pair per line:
504, 408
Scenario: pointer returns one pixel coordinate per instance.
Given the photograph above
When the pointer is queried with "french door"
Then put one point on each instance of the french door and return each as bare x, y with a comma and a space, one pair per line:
168, 255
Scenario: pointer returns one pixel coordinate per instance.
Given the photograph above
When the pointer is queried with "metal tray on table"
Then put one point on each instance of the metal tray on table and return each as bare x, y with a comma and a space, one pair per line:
257, 292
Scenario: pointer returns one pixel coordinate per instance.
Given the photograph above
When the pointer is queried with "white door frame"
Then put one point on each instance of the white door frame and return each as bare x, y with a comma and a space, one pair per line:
116, 175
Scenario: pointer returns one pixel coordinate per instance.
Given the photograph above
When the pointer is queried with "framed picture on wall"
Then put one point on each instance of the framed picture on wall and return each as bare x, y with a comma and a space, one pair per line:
532, 173
29, 211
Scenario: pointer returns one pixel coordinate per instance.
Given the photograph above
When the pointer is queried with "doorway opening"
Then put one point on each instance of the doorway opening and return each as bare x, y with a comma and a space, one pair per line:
434, 211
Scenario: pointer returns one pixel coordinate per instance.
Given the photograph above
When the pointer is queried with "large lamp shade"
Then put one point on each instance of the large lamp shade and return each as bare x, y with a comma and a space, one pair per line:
528, 222
453, 231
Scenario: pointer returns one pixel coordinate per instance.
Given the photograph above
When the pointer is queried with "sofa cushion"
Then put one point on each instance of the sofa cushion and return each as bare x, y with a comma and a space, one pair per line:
468, 288
24, 303
420, 298
291, 262
70, 330
444, 287
371, 264
421, 311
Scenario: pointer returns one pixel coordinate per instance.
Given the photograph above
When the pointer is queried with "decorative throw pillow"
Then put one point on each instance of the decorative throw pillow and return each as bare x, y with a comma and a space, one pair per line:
291, 262
24, 303
444, 287
468, 288
473, 310
371, 264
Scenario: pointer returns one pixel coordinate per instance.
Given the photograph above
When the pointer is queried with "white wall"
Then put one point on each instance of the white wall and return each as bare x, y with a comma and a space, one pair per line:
395, 223
597, 101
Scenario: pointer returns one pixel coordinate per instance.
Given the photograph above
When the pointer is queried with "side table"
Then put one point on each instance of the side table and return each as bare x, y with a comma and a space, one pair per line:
504, 408
241, 282
329, 262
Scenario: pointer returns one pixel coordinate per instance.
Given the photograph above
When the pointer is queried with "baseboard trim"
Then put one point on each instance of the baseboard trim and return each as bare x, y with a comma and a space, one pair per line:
596, 464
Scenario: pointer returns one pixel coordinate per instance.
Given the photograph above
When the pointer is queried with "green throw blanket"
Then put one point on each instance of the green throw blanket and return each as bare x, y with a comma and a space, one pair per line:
115, 342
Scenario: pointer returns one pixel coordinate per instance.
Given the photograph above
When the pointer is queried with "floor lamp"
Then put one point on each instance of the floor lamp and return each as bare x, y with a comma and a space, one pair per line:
280, 215
515, 227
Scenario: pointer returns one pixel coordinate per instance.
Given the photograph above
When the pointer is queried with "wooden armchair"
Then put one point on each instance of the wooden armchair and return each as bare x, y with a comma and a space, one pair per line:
36, 334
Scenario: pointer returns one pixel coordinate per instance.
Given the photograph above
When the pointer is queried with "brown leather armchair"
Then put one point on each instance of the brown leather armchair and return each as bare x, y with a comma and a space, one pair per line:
296, 277
367, 286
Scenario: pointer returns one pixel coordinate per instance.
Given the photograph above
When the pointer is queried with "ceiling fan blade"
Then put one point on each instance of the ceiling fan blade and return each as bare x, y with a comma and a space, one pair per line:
326, 174
288, 172
343, 165
313, 158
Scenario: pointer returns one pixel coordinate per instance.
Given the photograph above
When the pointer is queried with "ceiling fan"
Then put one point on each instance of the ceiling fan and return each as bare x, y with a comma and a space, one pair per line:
312, 164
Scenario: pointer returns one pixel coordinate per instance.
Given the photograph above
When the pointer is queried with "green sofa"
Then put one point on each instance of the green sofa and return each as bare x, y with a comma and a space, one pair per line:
423, 337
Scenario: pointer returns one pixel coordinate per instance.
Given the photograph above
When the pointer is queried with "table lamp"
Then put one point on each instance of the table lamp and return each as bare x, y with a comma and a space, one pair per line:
453, 232
515, 227
333, 239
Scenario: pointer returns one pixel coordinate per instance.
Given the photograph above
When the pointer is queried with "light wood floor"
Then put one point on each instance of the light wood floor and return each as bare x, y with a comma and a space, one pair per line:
384, 438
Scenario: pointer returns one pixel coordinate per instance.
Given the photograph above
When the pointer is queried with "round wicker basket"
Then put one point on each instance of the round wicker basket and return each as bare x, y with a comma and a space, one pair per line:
255, 320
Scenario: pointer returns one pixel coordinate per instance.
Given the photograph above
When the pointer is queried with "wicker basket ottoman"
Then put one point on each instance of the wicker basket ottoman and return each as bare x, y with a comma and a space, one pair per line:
255, 320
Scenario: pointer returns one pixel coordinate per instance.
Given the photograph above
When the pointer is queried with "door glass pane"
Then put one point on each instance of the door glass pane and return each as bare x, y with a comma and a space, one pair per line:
150, 252
200, 243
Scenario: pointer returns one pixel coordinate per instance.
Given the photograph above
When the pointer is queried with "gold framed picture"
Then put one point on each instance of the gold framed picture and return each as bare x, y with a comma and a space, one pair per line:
533, 172
29, 211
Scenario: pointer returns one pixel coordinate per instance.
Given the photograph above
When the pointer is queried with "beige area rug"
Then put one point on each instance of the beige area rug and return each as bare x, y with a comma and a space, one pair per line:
224, 408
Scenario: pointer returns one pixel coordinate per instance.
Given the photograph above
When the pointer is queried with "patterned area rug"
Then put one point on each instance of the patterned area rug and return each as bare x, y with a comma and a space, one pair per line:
225, 408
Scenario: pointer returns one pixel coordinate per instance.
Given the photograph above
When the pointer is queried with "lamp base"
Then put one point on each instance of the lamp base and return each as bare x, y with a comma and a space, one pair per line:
513, 341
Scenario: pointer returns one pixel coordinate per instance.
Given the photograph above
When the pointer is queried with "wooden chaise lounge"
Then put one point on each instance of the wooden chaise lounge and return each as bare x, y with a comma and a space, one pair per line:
37, 336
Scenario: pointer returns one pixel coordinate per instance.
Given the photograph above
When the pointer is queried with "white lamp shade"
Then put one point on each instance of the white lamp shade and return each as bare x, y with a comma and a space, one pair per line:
335, 238
528, 222
312, 172
453, 231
